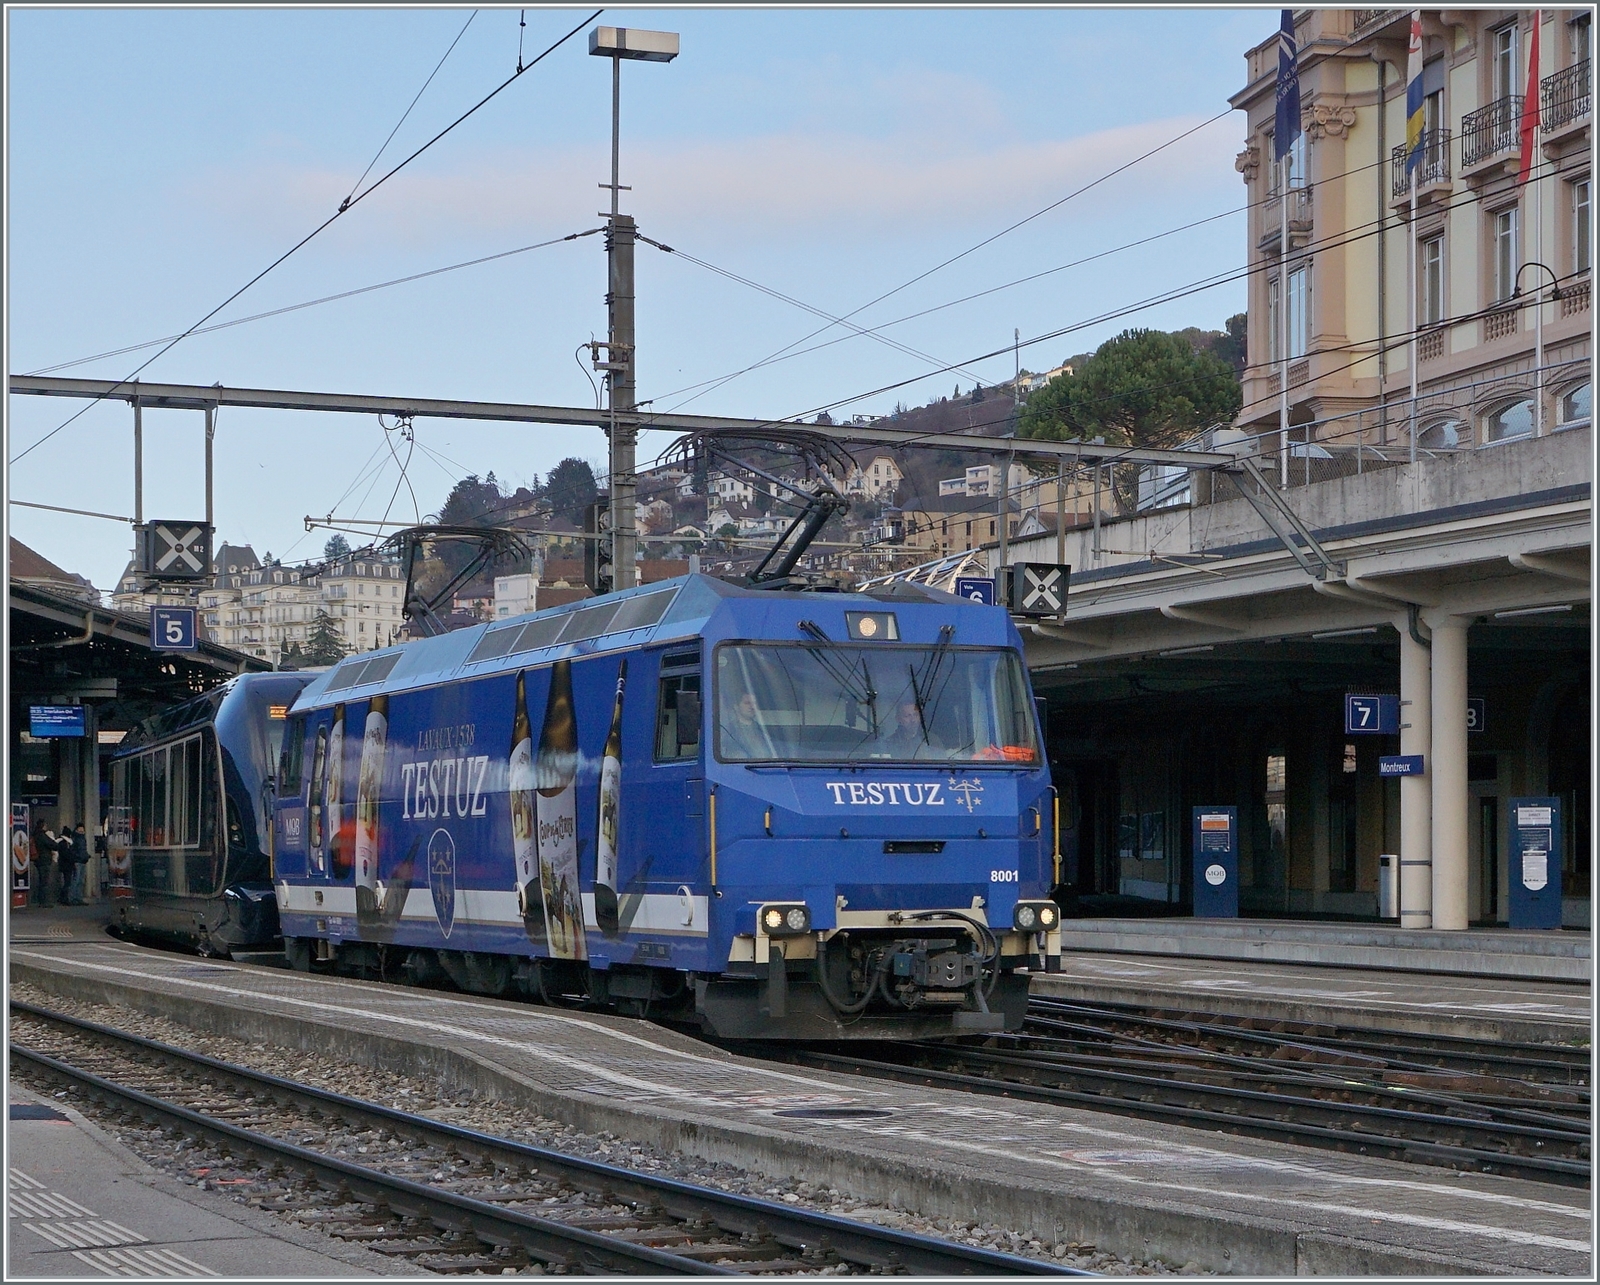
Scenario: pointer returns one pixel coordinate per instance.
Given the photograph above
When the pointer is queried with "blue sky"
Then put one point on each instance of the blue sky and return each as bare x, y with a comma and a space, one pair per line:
157, 159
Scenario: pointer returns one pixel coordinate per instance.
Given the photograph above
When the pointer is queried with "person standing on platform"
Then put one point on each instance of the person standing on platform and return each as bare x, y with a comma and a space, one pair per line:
45, 850
78, 856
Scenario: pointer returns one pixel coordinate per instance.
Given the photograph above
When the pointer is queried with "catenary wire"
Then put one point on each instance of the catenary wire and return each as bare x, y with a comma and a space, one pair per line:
348, 204
989, 240
403, 115
312, 303
786, 355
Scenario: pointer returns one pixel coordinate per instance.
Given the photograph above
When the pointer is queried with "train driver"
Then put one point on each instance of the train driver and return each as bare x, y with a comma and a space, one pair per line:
745, 735
909, 739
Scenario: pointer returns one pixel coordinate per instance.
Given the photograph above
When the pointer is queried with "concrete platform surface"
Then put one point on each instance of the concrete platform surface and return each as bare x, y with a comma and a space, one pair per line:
80, 1204
1423, 1003
59, 923
1136, 1188
1478, 952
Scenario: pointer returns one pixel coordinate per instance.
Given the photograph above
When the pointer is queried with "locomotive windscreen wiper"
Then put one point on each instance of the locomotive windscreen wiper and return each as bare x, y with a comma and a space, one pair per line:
921, 692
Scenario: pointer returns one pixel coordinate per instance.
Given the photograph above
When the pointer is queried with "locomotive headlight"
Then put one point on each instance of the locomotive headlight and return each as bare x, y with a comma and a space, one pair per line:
1036, 916
785, 919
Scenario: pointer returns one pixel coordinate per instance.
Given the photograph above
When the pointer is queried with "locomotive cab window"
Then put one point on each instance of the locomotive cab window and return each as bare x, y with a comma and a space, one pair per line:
832, 703
290, 762
678, 718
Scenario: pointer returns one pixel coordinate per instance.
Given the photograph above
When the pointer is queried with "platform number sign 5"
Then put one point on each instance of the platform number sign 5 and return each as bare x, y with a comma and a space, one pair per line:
173, 629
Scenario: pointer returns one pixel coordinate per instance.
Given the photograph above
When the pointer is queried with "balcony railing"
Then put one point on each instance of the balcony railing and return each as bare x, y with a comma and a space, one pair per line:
1434, 167
1490, 130
1564, 97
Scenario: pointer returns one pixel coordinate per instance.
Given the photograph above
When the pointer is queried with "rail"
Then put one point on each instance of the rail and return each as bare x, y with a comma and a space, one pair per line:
758, 1228
1334, 1091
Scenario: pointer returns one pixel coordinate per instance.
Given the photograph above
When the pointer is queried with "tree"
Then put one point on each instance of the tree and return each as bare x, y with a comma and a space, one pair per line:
337, 547
1231, 346
324, 646
1142, 388
570, 489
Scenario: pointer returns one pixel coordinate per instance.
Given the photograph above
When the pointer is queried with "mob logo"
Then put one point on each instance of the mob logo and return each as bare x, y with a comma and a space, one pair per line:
442, 878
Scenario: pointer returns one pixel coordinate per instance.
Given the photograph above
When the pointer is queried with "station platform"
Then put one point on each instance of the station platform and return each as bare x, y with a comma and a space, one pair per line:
1475, 1007
1140, 1189
1561, 956
80, 1204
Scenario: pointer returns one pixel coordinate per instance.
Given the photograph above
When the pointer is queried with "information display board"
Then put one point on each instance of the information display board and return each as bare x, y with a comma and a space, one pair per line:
1216, 863
1535, 876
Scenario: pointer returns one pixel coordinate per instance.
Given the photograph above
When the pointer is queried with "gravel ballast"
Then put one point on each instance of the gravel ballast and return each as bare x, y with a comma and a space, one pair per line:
523, 1125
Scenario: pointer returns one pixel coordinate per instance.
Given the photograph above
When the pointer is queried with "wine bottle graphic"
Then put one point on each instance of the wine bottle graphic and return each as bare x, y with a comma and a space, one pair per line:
317, 839
339, 856
555, 771
606, 830
524, 843
369, 789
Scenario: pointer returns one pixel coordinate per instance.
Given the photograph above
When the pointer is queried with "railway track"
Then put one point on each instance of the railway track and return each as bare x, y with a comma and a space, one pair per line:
455, 1200
1521, 1111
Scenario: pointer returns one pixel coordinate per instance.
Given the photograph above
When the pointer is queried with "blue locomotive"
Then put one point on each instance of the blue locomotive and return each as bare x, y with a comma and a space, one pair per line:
188, 836
783, 814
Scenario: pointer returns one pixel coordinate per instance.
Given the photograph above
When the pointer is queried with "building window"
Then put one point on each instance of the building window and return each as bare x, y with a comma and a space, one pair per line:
1294, 164
1445, 435
1432, 283
1574, 410
1503, 243
1299, 319
1578, 37
1274, 331
1580, 224
1510, 422
1503, 65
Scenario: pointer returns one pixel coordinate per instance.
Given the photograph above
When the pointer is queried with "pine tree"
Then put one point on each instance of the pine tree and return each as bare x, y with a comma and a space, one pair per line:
324, 646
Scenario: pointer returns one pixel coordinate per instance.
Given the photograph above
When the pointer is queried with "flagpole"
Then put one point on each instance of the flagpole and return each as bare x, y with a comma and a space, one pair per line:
1538, 232
1283, 319
1411, 307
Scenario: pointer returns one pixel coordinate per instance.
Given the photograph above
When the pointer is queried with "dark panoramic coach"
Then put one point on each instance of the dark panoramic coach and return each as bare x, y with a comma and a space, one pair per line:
189, 834
789, 814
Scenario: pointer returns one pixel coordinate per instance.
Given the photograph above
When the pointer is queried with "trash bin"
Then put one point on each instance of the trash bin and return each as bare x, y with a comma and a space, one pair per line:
1388, 881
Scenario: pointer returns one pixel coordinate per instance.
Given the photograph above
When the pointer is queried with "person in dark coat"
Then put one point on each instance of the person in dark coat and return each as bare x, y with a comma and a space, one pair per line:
77, 854
45, 851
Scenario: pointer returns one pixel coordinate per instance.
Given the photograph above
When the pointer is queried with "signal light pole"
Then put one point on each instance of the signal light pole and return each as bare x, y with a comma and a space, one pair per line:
617, 44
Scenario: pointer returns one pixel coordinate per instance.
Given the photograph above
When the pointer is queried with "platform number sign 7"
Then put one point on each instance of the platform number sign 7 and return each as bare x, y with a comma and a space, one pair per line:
1372, 715
173, 629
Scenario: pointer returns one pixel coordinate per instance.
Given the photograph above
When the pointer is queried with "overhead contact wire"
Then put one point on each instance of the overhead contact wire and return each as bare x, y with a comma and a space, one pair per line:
348, 204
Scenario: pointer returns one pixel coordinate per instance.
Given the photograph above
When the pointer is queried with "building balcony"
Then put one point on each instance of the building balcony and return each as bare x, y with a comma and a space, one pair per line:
1300, 212
1432, 170
1501, 323
1564, 101
1489, 134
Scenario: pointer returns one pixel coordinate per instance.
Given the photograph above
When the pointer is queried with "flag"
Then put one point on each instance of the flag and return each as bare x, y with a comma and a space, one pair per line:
1287, 126
1414, 113
1530, 104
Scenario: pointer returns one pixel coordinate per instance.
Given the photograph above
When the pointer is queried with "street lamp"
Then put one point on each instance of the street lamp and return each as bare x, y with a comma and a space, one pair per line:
1538, 338
617, 44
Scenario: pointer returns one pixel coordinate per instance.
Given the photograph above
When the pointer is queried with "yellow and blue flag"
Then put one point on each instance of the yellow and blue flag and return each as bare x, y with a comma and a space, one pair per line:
1286, 128
1414, 114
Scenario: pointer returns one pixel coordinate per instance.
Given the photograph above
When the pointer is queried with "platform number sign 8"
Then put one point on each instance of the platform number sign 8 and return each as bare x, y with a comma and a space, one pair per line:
1477, 712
